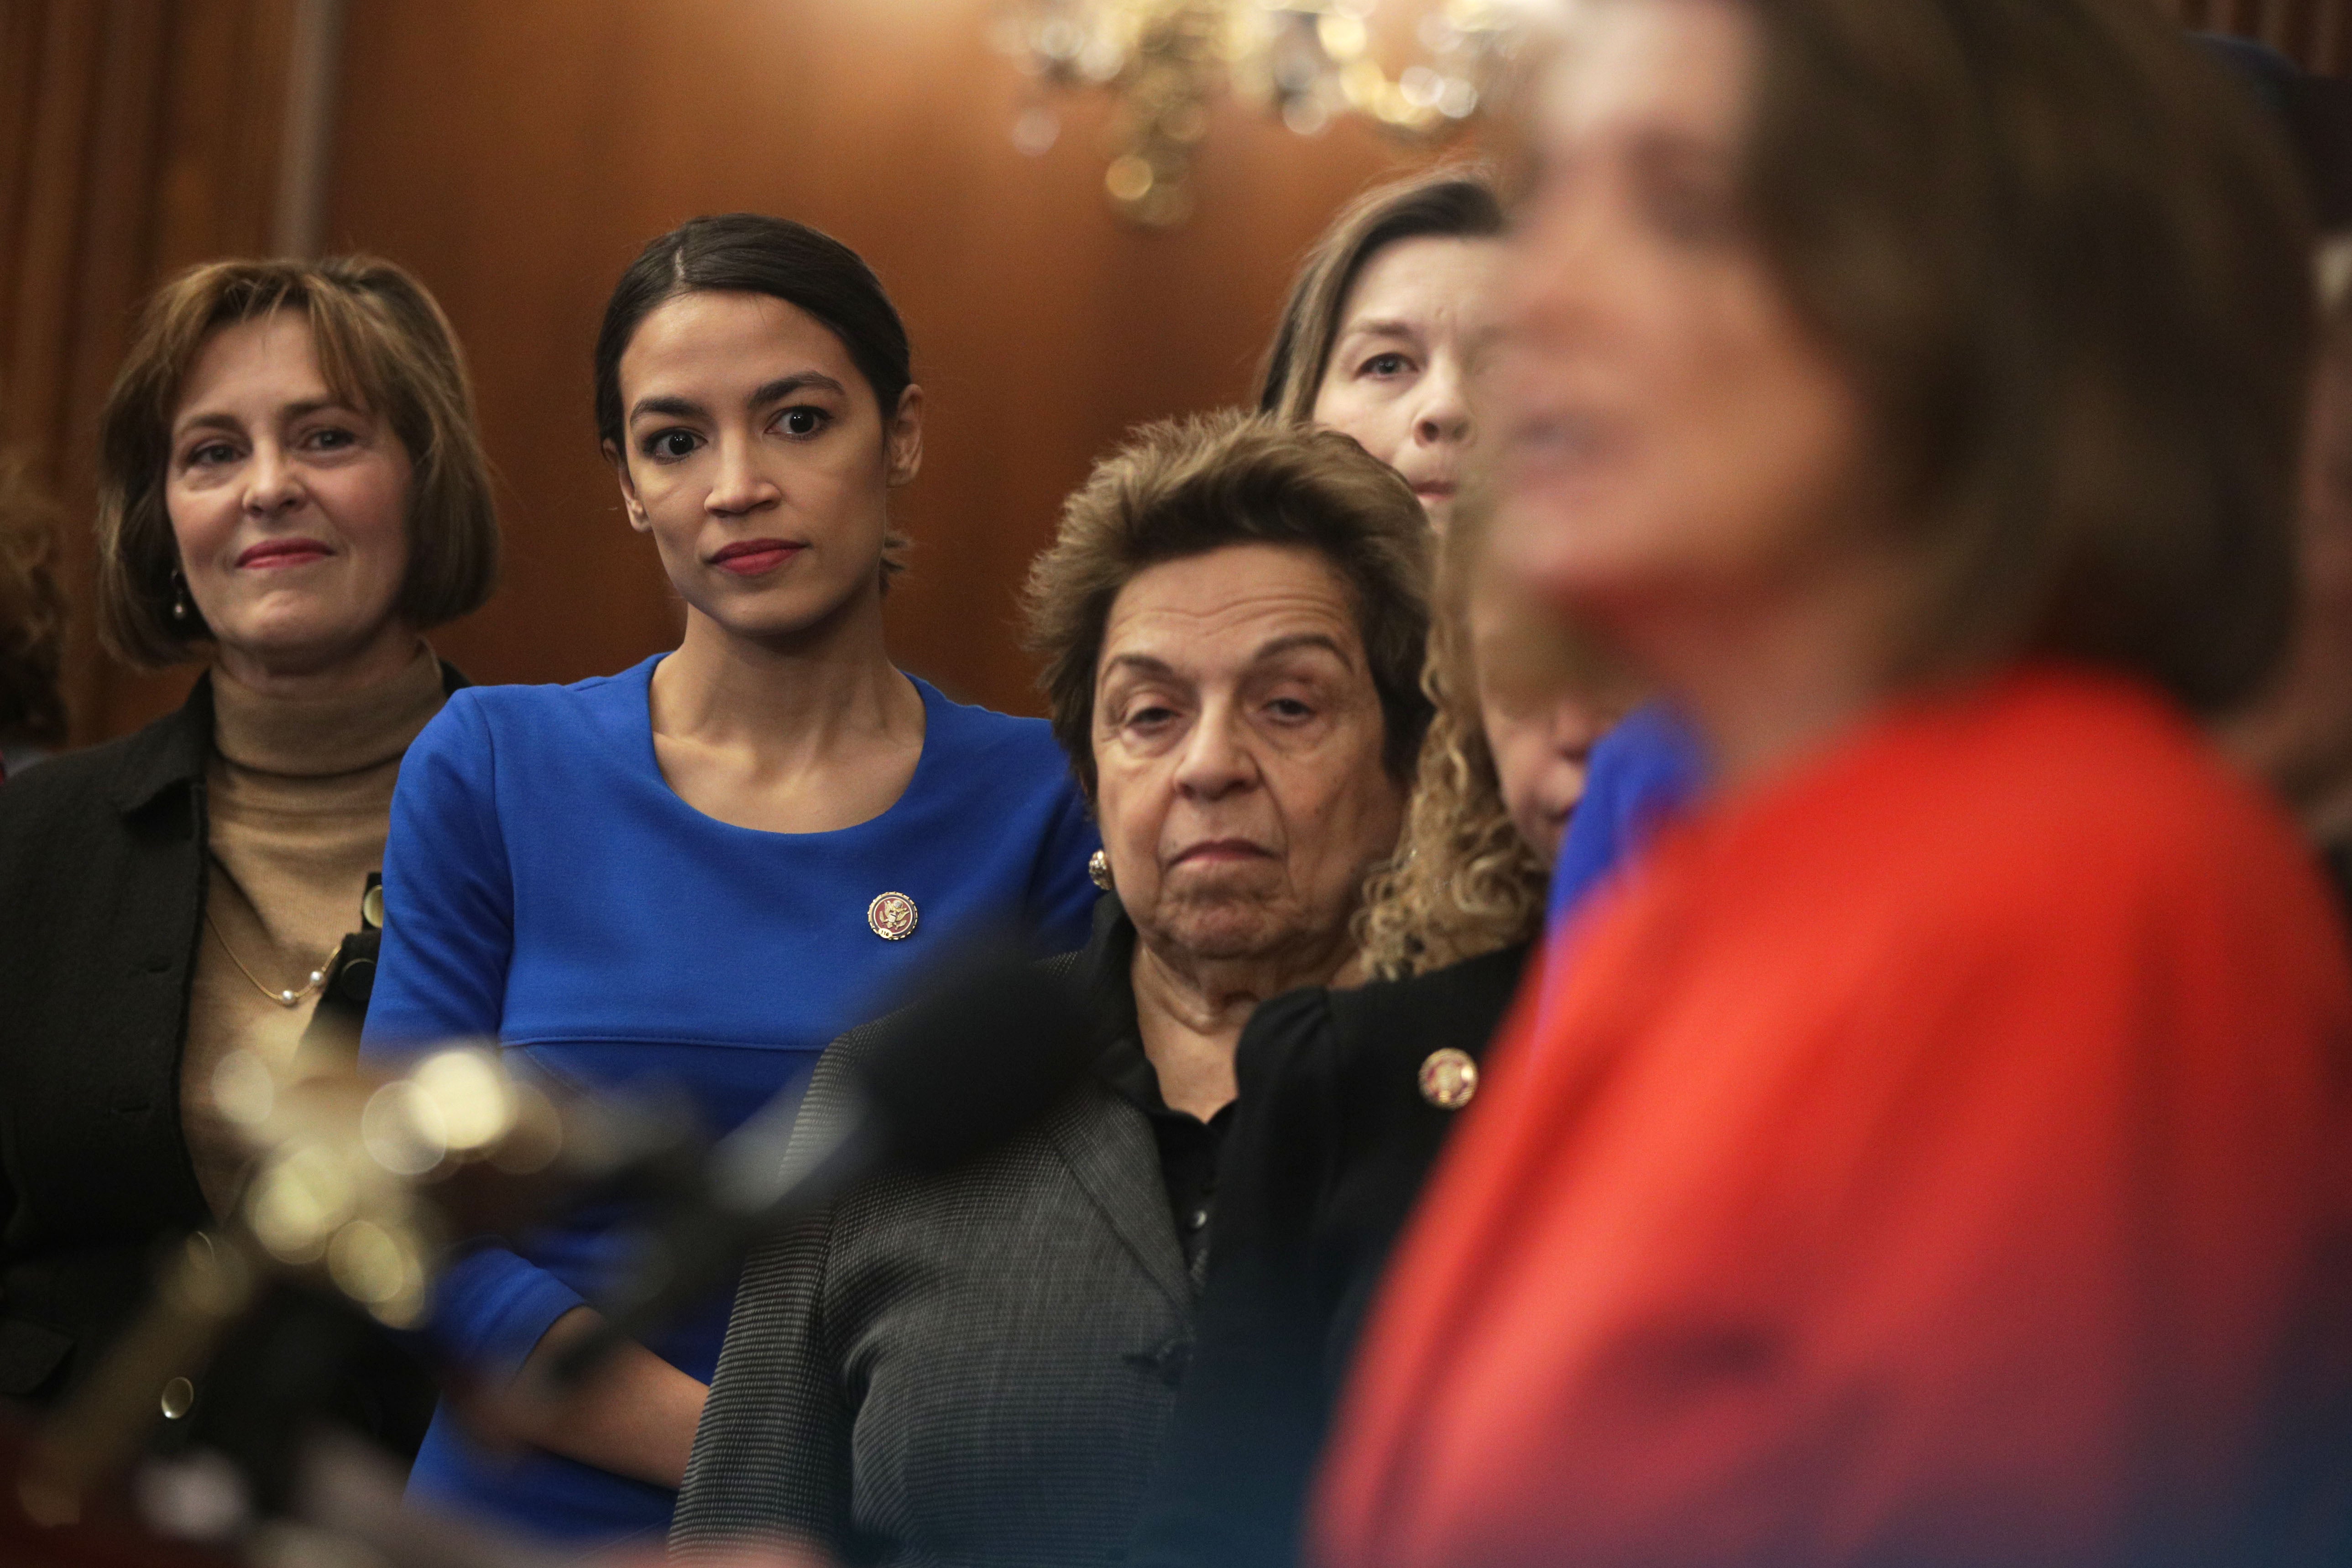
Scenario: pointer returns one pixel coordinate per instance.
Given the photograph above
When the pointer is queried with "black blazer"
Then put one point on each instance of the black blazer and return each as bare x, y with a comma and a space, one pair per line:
1330, 1143
103, 879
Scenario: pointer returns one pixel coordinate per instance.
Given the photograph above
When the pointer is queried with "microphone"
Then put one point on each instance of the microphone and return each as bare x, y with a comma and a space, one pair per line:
943, 1080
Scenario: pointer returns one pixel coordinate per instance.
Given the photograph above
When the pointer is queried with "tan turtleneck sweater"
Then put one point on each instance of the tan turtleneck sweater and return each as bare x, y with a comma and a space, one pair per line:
300, 800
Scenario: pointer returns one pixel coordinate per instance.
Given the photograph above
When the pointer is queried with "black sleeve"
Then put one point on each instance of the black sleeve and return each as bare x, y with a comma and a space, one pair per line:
1250, 1421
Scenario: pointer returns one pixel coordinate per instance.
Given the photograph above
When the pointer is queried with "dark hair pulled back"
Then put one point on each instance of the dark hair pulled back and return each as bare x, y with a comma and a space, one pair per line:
752, 253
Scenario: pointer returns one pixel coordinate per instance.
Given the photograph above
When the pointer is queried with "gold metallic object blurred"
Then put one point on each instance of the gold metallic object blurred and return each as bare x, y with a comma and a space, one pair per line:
1305, 61
403, 1130
469, 1087
536, 1137
298, 1199
148, 1373
379, 1269
359, 1180
343, 1161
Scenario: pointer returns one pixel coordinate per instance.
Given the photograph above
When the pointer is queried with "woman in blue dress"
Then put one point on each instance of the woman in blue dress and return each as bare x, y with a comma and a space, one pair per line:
690, 875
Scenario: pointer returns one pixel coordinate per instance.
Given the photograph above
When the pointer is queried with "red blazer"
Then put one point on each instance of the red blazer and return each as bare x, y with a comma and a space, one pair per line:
1939, 1154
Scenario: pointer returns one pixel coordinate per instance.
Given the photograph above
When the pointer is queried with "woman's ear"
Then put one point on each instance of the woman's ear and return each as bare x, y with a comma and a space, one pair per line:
902, 438
630, 504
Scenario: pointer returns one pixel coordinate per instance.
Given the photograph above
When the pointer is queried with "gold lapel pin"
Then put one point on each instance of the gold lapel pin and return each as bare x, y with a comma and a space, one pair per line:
1448, 1078
892, 916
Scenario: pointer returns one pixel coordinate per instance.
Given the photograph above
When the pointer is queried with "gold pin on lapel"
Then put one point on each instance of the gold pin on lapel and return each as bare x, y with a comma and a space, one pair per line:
892, 916
1448, 1078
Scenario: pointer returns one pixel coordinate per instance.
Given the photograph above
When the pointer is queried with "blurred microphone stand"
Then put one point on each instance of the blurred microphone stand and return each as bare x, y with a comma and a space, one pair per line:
220, 1418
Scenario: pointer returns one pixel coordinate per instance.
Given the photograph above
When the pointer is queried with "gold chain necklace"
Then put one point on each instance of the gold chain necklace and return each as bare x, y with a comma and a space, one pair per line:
283, 998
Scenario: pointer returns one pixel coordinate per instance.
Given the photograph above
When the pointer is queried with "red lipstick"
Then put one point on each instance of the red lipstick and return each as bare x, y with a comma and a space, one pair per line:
272, 553
754, 557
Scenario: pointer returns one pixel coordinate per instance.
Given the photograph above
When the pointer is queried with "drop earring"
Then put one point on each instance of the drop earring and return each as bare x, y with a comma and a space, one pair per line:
183, 608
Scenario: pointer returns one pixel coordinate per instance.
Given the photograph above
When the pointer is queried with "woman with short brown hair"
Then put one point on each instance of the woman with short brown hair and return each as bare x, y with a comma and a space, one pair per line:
292, 489
1934, 1149
379, 341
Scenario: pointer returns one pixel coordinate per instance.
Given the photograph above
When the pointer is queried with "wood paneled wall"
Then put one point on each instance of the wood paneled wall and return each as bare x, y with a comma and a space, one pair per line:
515, 153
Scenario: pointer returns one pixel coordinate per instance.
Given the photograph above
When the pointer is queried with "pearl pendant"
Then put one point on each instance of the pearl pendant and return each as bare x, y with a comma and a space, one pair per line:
289, 998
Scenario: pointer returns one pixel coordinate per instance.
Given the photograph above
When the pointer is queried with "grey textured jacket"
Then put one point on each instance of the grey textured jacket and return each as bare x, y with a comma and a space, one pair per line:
974, 1369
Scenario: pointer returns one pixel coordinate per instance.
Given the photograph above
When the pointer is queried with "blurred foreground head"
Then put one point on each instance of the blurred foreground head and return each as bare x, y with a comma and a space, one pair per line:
1953, 331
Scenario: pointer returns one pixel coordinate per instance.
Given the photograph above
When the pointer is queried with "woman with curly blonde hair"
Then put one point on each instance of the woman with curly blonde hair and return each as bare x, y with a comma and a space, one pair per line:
1347, 1095
1520, 702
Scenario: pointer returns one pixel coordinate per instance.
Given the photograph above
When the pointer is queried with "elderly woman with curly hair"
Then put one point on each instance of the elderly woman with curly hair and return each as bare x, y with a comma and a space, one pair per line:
979, 1367
1348, 1093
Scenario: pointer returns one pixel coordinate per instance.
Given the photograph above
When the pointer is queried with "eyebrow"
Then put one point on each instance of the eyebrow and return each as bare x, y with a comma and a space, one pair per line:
291, 411
1274, 649
783, 386
776, 391
1139, 661
668, 407
1297, 640
1386, 327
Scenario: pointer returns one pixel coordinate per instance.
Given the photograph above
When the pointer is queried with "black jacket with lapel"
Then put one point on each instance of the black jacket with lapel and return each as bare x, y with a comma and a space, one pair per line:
102, 881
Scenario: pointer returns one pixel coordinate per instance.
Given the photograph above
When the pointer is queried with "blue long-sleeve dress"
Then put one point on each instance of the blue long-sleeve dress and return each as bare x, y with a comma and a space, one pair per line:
545, 886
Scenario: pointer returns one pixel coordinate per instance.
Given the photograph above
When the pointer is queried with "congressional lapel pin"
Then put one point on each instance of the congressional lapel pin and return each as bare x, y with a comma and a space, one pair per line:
1448, 1078
892, 916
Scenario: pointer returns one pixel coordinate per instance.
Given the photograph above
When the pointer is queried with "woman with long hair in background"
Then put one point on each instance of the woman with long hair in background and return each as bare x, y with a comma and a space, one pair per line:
1383, 321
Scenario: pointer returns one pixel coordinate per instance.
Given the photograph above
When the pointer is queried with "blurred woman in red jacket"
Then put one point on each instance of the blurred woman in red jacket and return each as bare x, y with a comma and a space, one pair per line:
1938, 1151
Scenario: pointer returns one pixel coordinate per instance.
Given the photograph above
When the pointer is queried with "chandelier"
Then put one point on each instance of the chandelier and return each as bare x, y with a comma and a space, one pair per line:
1305, 61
